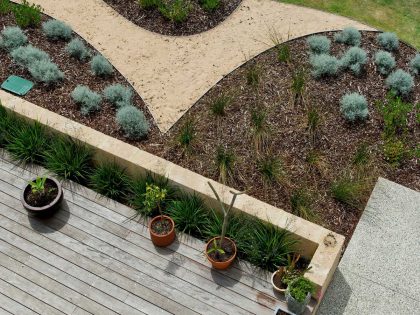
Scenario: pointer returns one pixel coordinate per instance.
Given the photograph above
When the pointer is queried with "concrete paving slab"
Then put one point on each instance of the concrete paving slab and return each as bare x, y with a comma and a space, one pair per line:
379, 272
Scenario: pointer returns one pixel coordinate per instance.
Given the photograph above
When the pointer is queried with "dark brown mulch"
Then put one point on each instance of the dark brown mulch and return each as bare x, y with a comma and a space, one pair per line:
337, 144
228, 248
43, 198
57, 98
162, 227
199, 20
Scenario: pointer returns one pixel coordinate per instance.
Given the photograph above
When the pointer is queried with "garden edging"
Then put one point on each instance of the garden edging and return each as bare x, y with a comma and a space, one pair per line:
322, 246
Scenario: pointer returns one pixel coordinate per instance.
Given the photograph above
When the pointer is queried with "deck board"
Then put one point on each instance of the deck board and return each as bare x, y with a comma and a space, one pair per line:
90, 258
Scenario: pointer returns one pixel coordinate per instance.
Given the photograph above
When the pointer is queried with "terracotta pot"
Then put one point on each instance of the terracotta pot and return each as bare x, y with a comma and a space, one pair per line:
47, 210
278, 273
221, 265
162, 240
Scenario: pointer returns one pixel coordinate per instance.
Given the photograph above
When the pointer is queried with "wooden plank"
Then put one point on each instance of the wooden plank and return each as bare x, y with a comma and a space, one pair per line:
12, 306
227, 298
247, 273
79, 249
57, 303
25, 240
112, 225
97, 256
263, 297
24, 298
90, 292
27, 270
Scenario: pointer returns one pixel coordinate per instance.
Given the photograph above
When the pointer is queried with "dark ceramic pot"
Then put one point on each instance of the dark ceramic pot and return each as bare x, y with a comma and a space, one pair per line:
47, 210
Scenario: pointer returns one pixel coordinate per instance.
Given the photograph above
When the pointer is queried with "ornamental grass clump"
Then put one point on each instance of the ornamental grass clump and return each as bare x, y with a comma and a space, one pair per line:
389, 41
349, 36
12, 37
133, 122
25, 56
189, 214
354, 107
5, 7
176, 11
88, 100
101, 67
210, 5
69, 159
324, 65
46, 72
354, 59
400, 82
319, 44
384, 61
27, 15
57, 30
77, 49
27, 142
110, 180
268, 245
118, 95
415, 64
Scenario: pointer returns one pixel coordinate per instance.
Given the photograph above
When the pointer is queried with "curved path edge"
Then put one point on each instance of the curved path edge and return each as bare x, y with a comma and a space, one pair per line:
172, 73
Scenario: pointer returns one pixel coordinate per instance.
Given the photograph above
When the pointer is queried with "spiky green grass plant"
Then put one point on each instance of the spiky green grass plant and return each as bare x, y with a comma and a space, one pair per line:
110, 180
69, 159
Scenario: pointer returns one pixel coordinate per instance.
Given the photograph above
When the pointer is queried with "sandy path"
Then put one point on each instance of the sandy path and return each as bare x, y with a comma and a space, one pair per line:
172, 73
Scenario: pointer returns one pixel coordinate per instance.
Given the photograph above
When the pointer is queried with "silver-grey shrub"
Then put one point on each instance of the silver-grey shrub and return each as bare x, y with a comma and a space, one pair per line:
389, 41
319, 44
354, 59
77, 49
354, 107
349, 35
56, 30
324, 65
25, 56
133, 122
415, 64
400, 82
384, 61
88, 100
100, 66
118, 95
12, 37
45, 71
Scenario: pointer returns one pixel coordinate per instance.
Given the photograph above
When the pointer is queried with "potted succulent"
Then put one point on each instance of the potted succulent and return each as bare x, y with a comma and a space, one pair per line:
285, 274
298, 294
161, 227
221, 250
42, 196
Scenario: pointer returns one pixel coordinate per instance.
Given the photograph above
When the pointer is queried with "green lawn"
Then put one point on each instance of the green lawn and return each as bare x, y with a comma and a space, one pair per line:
400, 16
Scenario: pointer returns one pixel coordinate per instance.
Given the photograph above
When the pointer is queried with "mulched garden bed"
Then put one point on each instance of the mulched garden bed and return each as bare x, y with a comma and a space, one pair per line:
289, 140
199, 20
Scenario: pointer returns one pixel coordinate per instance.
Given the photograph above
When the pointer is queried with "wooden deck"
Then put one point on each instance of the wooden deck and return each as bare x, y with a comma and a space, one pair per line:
89, 258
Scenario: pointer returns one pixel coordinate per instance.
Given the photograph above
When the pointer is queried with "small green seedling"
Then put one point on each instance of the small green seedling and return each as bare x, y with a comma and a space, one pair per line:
38, 186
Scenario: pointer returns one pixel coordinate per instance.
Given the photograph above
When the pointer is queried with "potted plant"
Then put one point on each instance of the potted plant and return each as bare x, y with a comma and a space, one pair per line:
285, 274
161, 227
298, 294
42, 196
221, 250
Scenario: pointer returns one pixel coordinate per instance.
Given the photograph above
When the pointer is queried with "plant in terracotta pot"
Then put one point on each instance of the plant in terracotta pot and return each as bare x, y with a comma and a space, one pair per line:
221, 251
286, 274
42, 196
161, 227
298, 294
